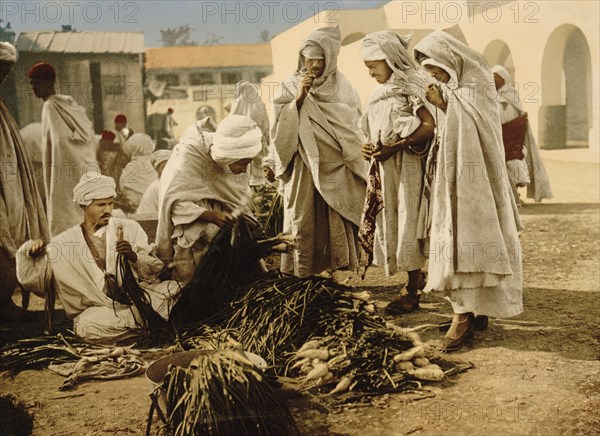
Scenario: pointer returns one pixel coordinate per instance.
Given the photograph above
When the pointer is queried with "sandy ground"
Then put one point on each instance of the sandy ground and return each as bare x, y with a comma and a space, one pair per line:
538, 373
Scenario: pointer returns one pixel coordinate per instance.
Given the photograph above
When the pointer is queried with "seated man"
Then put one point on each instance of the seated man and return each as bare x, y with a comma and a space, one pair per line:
82, 262
203, 187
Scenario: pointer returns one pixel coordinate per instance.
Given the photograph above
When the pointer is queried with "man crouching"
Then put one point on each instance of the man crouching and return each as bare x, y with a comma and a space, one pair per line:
82, 262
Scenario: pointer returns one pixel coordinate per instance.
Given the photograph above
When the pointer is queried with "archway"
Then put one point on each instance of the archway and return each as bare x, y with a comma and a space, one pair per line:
566, 111
498, 53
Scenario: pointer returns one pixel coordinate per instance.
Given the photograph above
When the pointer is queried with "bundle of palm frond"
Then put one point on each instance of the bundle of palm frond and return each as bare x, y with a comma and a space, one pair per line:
153, 326
268, 208
274, 220
231, 261
38, 353
222, 393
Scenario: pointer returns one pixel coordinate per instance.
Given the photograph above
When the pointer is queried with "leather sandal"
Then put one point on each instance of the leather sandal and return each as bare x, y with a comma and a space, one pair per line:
451, 345
480, 324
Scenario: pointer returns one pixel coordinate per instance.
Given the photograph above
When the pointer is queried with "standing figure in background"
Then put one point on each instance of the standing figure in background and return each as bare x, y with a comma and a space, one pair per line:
123, 133
139, 172
318, 158
470, 212
107, 153
247, 101
68, 147
149, 202
523, 160
22, 215
169, 125
122, 129
398, 126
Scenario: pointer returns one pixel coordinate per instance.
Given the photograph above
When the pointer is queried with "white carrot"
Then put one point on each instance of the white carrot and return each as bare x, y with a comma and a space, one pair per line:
342, 385
408, 354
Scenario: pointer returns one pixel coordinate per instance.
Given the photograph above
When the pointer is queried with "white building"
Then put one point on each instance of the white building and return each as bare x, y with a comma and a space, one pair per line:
551, 47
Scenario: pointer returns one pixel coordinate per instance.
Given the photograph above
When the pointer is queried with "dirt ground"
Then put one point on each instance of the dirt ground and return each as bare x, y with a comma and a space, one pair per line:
537, 373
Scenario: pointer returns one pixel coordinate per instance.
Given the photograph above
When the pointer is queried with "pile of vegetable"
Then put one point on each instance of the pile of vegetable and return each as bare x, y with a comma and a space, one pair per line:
329, 336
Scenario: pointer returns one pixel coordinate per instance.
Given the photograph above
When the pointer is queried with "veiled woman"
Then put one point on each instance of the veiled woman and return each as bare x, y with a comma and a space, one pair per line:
475, 255
397, 117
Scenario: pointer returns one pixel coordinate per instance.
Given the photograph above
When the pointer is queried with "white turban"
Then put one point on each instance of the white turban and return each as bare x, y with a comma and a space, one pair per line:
237, 137
8, 53
160, 156
93, 186
371, 51
502, 72
313, 51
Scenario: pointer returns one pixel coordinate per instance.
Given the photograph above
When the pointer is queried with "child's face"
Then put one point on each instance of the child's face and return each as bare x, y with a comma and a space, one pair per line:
379, 70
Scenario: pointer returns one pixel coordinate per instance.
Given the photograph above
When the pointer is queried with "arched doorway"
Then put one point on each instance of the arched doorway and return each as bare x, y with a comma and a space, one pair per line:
566, 111
498, 53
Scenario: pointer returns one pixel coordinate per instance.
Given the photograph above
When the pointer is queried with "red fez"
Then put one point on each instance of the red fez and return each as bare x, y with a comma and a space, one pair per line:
108, 135
170, 110
120, 119
43, 71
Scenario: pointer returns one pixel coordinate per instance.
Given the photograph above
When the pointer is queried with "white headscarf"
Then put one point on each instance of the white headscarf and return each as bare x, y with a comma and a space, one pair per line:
237, 137
160, 156
93, 186
8, 52
370, 51
502, 72
313, 50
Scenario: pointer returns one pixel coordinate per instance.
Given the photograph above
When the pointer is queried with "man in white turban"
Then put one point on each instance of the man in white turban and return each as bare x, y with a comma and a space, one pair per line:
203, 184
82, 262
149, 202
22, 215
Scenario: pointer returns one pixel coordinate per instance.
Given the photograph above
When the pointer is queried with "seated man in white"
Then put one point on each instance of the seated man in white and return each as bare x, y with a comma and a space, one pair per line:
82, 262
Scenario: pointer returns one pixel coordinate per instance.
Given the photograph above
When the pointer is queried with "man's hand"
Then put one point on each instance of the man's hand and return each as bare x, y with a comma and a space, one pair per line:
223, 220
367, 151
125, 248
305, 84
269, 174
37, 249
434, 96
